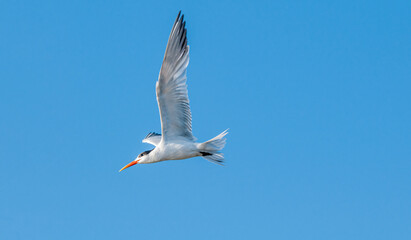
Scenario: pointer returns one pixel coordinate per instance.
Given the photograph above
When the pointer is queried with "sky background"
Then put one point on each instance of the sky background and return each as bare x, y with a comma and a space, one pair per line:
316, 95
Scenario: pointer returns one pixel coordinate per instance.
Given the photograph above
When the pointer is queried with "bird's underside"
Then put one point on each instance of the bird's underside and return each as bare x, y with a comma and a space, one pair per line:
176, 140
182, 148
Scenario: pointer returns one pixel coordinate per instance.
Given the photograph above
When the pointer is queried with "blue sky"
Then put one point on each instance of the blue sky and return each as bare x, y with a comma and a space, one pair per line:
316, 96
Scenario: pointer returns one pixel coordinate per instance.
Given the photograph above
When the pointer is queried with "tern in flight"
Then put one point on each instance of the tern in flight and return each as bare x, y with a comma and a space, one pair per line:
176, 140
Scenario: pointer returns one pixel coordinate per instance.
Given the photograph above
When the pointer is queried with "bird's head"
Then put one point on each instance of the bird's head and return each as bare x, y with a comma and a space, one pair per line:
142, 157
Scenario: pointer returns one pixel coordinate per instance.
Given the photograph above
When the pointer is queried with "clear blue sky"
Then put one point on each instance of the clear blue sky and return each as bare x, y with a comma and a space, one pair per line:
316, 96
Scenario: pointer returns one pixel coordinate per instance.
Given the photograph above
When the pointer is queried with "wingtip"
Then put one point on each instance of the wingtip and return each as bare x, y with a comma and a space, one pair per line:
178, 17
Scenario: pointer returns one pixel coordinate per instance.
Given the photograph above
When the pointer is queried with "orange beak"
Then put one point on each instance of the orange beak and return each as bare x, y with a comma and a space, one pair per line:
129, 165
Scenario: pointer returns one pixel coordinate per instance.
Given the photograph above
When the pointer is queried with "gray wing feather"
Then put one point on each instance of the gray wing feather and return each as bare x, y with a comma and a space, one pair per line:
152, 138
171, 87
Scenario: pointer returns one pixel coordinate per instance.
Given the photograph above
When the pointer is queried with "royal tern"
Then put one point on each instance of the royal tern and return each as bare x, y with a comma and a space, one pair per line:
176, 140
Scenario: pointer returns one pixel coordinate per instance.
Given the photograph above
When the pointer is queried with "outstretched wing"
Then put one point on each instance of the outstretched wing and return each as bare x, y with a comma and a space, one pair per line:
171, 87
152, 138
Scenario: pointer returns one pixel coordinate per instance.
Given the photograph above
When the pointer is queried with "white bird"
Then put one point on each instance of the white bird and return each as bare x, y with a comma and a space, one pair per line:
176, 140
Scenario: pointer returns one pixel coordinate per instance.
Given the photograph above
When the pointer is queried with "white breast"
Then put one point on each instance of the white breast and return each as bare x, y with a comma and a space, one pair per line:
174, 150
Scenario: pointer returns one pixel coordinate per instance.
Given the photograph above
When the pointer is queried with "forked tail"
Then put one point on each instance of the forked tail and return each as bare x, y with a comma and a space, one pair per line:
210, 150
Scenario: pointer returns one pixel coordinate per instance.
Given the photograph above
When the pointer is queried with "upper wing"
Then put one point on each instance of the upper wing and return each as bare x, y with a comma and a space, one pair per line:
171, 87
152, 138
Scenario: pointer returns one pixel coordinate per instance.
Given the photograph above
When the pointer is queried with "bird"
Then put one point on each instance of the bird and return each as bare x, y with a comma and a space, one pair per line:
176, 141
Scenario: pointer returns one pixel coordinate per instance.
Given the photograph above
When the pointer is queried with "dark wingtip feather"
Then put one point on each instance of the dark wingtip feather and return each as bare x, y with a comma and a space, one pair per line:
178, 17
184, 38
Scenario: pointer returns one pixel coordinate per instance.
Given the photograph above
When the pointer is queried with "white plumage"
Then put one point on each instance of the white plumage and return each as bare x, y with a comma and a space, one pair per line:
176, 140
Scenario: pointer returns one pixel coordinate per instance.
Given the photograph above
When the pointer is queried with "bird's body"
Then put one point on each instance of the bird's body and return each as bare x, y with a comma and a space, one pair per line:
174, 150
177, 141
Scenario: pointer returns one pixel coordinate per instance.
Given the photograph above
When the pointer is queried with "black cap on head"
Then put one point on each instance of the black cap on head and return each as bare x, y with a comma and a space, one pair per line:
145, 153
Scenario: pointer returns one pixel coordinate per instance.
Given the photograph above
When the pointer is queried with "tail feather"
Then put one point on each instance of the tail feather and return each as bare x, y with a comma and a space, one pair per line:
210, 149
